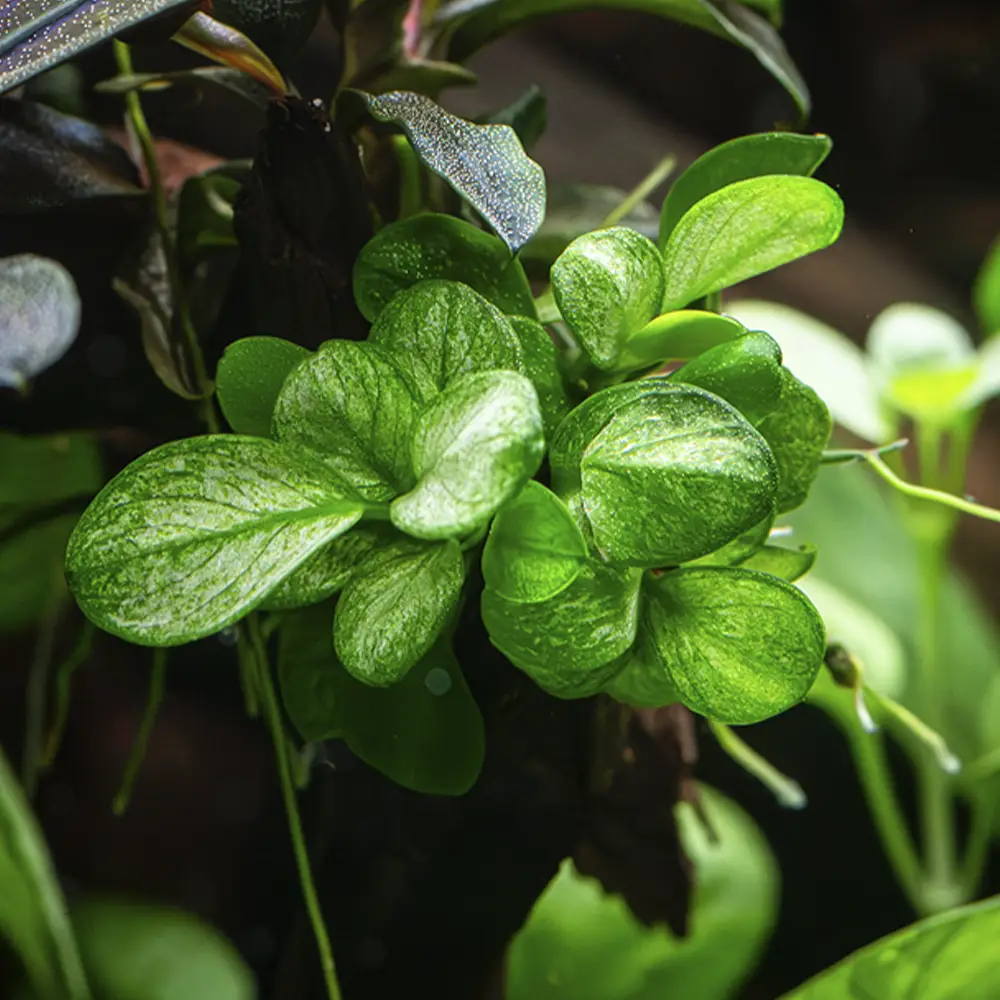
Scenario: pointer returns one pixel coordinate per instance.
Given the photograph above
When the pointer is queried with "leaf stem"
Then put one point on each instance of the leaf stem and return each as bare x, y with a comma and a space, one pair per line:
642, 190
789, 793
37, 687
79, 655
286, 777
157, 680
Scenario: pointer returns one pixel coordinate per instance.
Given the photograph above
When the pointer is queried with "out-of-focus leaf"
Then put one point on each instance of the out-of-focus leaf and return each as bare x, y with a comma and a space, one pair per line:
222, 76
280, 27
205, 210
39, 317
986, 292
527, 115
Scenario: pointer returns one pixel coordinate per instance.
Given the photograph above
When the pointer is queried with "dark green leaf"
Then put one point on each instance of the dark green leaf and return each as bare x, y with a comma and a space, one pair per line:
738, 646
986, 292
740, 548
677, 336
424, 732
351, 404
39, 318
230, 79
485, 164
395, 606
643, 682
540, 363
535, 549
249, 378
438, 246
745, 229
194, 534
789, 564
571, 644
473, 448
205, 211
280, 27
608, 284
439, 330
738, 160
527, 115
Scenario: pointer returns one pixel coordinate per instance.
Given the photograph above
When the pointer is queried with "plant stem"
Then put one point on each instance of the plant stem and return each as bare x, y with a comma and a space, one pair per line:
788, 792
411, 194
38, 682
273, 714
157, 679
984, 811
642, 190
64, 679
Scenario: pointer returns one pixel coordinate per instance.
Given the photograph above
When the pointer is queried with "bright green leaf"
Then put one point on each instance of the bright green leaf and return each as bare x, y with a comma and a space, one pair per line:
738, 646
194, 534
789, 564
474, 447
642, 682
746, 229
540, 363
608, 284
677, 336
986, 291
250, 376
438, 246
740, 548
394, 607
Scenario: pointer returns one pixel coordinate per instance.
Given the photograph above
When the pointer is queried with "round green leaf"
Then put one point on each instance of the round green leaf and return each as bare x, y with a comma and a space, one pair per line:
394, 607
642, 682
352, 405
438, 246
607, 285
474, 447
570, 644
738, 646
194, 534
746, 229
541, 365
439, 330
250, 376
677, 336
535, 549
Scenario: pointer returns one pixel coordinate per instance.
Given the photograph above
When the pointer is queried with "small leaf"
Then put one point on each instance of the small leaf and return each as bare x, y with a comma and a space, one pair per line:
540, 363
439, 330
205, 209
424, 732
569, 645
249, 378
194, 534
746, 229
395, 606
608, 284
39, 319
740, 548
738, 646
230, 79
789, 564
527, 115
739, 160
986, 292
677, 336
535, 549
485, 164
643, 683
473, 448
351, 404
438, 246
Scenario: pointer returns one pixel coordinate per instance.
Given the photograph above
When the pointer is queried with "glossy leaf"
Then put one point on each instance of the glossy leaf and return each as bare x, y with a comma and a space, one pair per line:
438, 246
535, 549
39, 319
250, 376
485, 164
439, 330
789, 564
194, 534
351, 404
738, 160
473, 448
540, 363
608, 284
746, 229
394, 607
581, 943
986, 292
677, 336
424, 732
569, 645
738, 646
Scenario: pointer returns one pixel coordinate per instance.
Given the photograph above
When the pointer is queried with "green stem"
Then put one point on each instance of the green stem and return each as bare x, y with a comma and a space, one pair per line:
64, 680
788, 792
38, 682
286, 777
642, 190
411, 195
157, 680
984, 811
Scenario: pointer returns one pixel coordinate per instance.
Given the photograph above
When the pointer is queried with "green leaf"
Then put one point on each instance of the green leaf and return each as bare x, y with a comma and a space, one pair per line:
986, 384
280, 28
789, 564
745, 372
738, 646
944, 957
473, 448
672, 475
395, 606
677, 336
746, 229
439, 330
39, 320
194, 534
986, 291
535, 549
608, 284
825, 360
540, 363
352, 405
485, 164
739, 160
581, 943
438, 246
642, 682
527, 115
205, 205
250, 375
740, 548
424, 732
569, 645
133, 950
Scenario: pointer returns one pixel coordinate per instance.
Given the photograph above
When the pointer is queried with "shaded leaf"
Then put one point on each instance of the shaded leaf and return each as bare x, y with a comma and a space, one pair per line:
205, 211
527, 115
230, 79
789, 564
986, 291
677, 336
540, 362
740, 548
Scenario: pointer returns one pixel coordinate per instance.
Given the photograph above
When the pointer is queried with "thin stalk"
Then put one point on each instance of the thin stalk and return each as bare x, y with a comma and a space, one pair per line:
38, 682
789, 793
78, 655
157, 681
984, 811
642, 190
411, 195
287, 780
